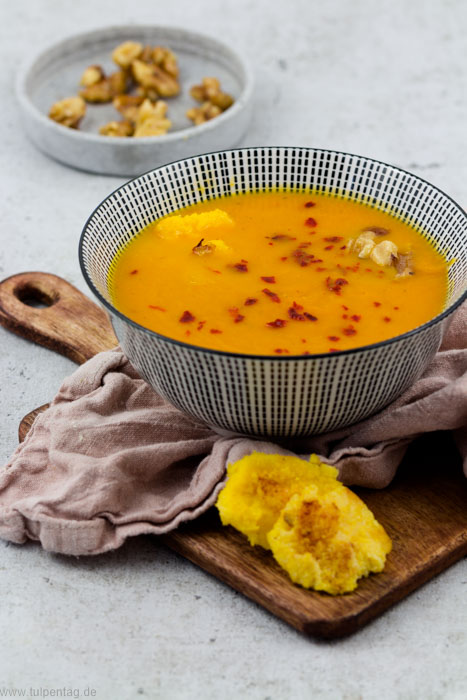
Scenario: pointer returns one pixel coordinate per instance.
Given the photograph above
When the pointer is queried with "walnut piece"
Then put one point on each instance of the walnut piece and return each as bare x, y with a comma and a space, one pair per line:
68, 112
199, 115
106, 89
165, 59
91, 76
126, 53
117, 128
210, 91
128, 106
151, 119
404, 264
151, 76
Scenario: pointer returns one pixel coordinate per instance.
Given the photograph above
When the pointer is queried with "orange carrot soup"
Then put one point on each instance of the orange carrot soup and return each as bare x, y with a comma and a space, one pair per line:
279, 273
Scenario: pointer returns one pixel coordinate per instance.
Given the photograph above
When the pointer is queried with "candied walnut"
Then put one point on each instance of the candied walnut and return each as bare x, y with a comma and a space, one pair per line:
210, 91
126, 53
117, 128
165, 59
91, 76
363, 245
151, 76
384, 252
377, 230
151, 119
68, 112
207, 111
128, 105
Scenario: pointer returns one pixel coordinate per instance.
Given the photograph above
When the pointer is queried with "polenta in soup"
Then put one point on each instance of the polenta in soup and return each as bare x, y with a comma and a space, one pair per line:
279, 273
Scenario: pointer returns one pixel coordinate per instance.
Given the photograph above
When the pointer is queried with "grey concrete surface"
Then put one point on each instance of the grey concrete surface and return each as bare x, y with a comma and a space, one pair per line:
386, 79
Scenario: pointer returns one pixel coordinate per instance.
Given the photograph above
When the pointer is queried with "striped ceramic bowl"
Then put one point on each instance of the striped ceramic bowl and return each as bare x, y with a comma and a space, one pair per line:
276, 396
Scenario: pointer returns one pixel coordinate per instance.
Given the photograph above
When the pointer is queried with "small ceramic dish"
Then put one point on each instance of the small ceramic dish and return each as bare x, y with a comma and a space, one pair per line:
56, 72
277, 396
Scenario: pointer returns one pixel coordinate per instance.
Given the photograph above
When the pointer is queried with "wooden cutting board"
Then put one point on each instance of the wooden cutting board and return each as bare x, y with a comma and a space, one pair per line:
424, 510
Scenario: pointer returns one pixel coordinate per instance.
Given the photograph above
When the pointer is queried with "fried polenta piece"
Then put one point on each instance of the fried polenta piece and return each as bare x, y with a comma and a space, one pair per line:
326, 539
259, 486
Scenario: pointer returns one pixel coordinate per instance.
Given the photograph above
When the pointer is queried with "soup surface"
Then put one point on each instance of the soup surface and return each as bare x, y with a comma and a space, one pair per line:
279, 273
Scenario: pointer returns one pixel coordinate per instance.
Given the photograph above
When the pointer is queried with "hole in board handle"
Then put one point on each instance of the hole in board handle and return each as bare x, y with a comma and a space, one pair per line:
35, 297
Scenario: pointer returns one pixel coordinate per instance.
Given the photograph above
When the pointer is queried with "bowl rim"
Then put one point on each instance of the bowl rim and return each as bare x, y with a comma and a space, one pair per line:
183, 134
250, 356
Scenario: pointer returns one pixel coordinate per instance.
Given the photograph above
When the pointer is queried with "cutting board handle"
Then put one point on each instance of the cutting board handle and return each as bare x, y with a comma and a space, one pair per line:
49, 311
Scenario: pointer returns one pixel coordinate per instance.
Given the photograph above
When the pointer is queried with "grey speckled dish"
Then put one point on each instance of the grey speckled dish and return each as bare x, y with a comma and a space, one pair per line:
56, 72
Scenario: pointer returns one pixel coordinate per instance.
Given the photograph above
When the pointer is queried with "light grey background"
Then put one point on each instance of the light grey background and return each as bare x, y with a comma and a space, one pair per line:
383, 79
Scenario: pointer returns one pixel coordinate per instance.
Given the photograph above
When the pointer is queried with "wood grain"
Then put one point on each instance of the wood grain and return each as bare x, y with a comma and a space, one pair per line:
424, 510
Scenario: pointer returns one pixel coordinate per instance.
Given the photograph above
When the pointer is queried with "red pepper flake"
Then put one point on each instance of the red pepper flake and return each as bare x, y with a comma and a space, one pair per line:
310, 317
284, 258
214, 331
281, 351
320, 269
303, 340
380, 272
334, 338
329, 247
376, 303
200, 325
157, 308
282, 237
218, 272
333, 350
250, 301
269, 279
270, 243
368, 269
303, 259
346, 308
396, 308
237, 317
241, 266
317, 260
356, 318
350, 330
294, 312
311, 222
345, 316
134, 272
305, 244
343, 247
310, 204
186, 317
333, 239
272, 295
386, 319
187, 332
278, 323
306, 352
336, 285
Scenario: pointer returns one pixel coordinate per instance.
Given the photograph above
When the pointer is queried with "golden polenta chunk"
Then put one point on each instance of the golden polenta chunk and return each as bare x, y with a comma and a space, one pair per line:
194, 226
259, 486
326, 538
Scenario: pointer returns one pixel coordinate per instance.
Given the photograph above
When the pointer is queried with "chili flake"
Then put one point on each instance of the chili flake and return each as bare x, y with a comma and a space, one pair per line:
186, 317
269, 279
134, 272
281, 351
350, 330
329, 247
376, 303
334, 338
309, 204
311, 222
237, 317
386, 319
302, 258
310, 317
272, 295
200, 325
333, 350
278, 323
214, 331
250, 301
242, 266
282, 237
157, 308
336, 285
355, 317
333, 239
284, 258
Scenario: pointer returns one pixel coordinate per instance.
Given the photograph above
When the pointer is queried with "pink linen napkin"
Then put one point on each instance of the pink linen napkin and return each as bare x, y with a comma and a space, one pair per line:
110, 459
